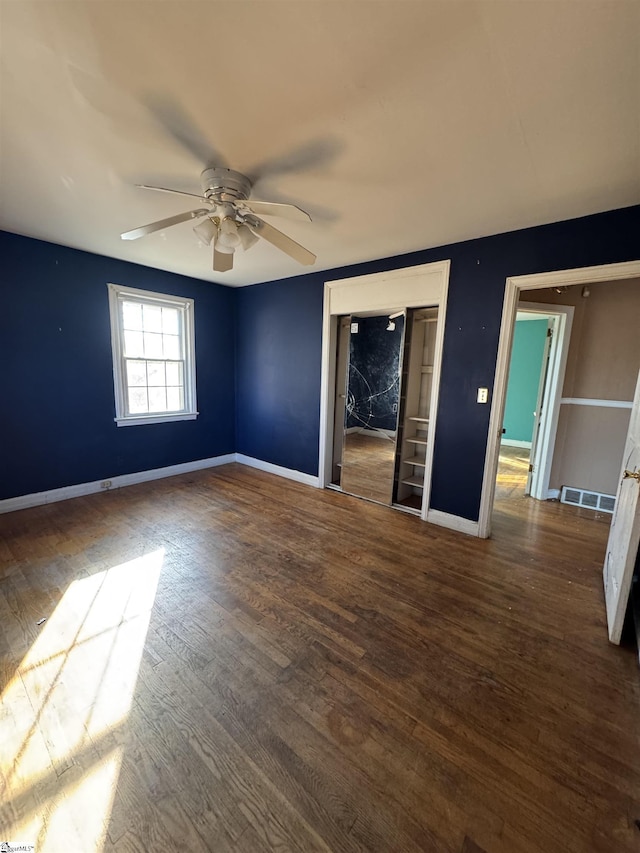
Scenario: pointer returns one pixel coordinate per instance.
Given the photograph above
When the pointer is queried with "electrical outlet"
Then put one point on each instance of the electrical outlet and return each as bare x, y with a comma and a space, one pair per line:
483, 395
105, 484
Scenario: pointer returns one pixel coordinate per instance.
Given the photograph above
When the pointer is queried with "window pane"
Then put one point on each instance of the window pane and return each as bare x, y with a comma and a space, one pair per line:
152, 318
171, 346
133, 345
152, 345
136, 373
137, 400
155, 372
174, 373
153, 354
170, 321
175, 399
157, 399
132, 316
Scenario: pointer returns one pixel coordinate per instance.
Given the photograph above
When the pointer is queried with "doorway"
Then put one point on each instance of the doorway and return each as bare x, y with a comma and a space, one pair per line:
516, 286
540, 345
384, 406
403, 292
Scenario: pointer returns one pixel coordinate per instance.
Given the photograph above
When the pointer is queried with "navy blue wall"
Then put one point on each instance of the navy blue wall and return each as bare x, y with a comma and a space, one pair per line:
278, 371
280, 332
57, 412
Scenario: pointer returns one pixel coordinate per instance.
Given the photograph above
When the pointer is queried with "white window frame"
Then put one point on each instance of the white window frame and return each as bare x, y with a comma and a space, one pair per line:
118, 294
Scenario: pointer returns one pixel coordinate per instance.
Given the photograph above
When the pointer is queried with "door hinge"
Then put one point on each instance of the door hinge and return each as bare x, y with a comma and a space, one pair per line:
549, 333
530, 469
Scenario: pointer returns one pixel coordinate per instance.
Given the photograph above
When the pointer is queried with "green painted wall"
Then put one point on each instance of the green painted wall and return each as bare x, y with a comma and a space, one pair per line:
524, 378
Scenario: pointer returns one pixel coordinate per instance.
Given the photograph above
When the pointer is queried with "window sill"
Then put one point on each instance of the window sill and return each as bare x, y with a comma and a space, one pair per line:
156, 419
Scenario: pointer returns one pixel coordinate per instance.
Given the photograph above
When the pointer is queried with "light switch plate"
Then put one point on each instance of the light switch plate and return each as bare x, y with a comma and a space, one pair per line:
483, 395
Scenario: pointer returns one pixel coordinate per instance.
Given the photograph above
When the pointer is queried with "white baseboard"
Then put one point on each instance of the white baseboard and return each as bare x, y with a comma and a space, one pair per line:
453, 522
553, 495
67, 492
288, 473
514, 442
444, 519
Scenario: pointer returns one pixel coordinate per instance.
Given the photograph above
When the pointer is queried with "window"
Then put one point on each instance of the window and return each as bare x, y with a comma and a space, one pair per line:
153, 356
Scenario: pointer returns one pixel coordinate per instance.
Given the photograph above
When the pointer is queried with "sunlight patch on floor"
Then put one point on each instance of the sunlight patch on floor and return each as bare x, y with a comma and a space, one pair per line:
76, 684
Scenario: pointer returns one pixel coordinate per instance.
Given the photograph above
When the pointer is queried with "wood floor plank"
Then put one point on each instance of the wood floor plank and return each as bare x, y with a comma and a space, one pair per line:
236, 662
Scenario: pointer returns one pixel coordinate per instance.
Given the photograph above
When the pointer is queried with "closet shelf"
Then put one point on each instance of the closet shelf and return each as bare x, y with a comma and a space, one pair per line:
416, 460
426, 368
417, 480
419, 420
421, 441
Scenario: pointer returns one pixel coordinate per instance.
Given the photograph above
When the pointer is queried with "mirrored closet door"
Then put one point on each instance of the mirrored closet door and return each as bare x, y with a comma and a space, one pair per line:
384, 377
367, 404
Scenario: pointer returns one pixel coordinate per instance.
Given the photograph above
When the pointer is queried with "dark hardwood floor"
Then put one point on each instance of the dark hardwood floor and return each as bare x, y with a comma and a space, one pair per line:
234, 662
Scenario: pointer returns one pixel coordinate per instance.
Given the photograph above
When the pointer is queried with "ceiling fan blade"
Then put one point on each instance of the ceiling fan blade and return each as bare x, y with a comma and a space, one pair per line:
178, 124
222, 261
280, 241
162, 223
270, 208
309, 155
317, 212
174, 192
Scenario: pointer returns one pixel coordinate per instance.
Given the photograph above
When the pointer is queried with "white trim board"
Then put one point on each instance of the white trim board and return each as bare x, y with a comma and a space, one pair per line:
462, 525
270, 468
514, 286
515, 442
81, 489
588, 401
453, 522
123, 480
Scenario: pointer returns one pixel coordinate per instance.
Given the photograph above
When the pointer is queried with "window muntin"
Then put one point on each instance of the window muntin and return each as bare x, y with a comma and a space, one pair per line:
153, 356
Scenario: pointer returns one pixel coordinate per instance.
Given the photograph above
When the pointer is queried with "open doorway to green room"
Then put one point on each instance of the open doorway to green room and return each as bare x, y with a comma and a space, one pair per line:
537, 365
605, 396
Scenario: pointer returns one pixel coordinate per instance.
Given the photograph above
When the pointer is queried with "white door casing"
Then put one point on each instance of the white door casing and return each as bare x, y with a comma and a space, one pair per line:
514, 286
410, 287
624, 535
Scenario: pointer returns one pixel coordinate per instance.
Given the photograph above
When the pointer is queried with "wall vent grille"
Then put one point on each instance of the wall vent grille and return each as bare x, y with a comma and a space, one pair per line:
590, 500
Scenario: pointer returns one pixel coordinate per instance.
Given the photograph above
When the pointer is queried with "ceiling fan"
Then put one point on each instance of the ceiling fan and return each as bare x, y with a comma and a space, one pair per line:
230, 219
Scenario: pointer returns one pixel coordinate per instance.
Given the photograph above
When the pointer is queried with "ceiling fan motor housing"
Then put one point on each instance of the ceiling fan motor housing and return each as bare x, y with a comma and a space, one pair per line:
221, 185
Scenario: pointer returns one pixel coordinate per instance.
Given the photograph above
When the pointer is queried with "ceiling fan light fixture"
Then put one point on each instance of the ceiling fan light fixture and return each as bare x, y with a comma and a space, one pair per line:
206, 230
247, 237
224, 248
230, 221
228, 238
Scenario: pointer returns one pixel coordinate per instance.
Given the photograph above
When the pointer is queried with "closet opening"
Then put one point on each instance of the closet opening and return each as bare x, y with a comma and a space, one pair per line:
382, 409
382, 345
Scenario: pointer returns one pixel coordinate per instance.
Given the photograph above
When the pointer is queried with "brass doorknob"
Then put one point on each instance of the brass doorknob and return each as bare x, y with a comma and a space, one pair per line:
631, 475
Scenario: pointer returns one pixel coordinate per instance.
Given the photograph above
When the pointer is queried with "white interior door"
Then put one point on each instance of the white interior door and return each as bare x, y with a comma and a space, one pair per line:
534, 461
624, 536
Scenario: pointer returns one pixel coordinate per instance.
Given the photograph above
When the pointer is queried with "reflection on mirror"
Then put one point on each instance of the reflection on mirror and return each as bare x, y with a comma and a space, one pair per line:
367, 403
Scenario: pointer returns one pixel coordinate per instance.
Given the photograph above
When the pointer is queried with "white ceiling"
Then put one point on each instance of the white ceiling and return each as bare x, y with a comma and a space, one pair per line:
413, 124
